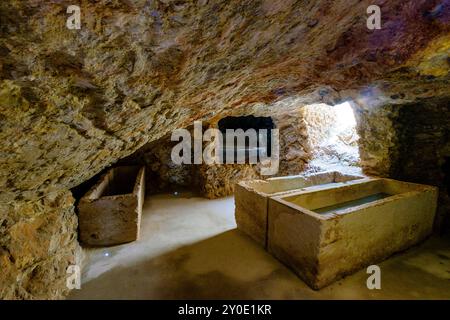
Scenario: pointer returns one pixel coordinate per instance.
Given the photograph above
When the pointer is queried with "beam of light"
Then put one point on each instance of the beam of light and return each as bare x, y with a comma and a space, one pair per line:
345, 118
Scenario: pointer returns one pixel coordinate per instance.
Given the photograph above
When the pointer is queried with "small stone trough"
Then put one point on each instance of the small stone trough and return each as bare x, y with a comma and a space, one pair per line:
110, 212
251, 198
334, 231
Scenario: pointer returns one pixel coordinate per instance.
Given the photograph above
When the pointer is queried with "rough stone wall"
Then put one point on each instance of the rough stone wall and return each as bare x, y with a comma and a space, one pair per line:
211, 181
161, 173
318, 121
295, 150
408, 141
38, 243
378, 138
217, 181
138, 69
424, 150
214, 181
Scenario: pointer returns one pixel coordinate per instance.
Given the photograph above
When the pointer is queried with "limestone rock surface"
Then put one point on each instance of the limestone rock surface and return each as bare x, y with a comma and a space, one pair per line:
73, 102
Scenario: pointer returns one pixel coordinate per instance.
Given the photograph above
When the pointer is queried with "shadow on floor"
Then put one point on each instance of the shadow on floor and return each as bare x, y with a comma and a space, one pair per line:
232, 266
227, 266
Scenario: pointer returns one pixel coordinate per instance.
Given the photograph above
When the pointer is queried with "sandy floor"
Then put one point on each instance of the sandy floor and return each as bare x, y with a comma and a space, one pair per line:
190, 249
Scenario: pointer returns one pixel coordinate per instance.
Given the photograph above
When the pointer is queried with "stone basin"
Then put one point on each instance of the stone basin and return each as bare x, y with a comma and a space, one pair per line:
110, 212
251, 198
333, 231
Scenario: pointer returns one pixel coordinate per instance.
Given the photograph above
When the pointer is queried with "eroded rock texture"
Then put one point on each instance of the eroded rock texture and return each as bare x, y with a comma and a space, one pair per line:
73, 102
38, 242
424, 154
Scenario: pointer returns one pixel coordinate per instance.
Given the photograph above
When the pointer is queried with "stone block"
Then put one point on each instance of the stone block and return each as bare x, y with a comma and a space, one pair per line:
110, 213
251, 198
334, 231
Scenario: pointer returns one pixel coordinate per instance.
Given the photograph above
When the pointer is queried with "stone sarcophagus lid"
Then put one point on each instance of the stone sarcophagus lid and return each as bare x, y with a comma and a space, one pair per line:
251, 198
110, 212
333, 231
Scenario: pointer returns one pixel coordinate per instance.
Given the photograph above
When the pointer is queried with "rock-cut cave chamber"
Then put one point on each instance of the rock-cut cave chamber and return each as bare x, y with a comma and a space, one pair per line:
362, 150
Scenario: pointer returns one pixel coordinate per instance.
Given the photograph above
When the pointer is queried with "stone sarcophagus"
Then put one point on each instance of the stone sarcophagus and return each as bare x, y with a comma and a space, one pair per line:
330, 232
110, 212
251, 198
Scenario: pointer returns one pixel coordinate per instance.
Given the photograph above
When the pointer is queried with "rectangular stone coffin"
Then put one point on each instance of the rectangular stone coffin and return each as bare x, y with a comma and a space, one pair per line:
328, 233
110, 213
251, 198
